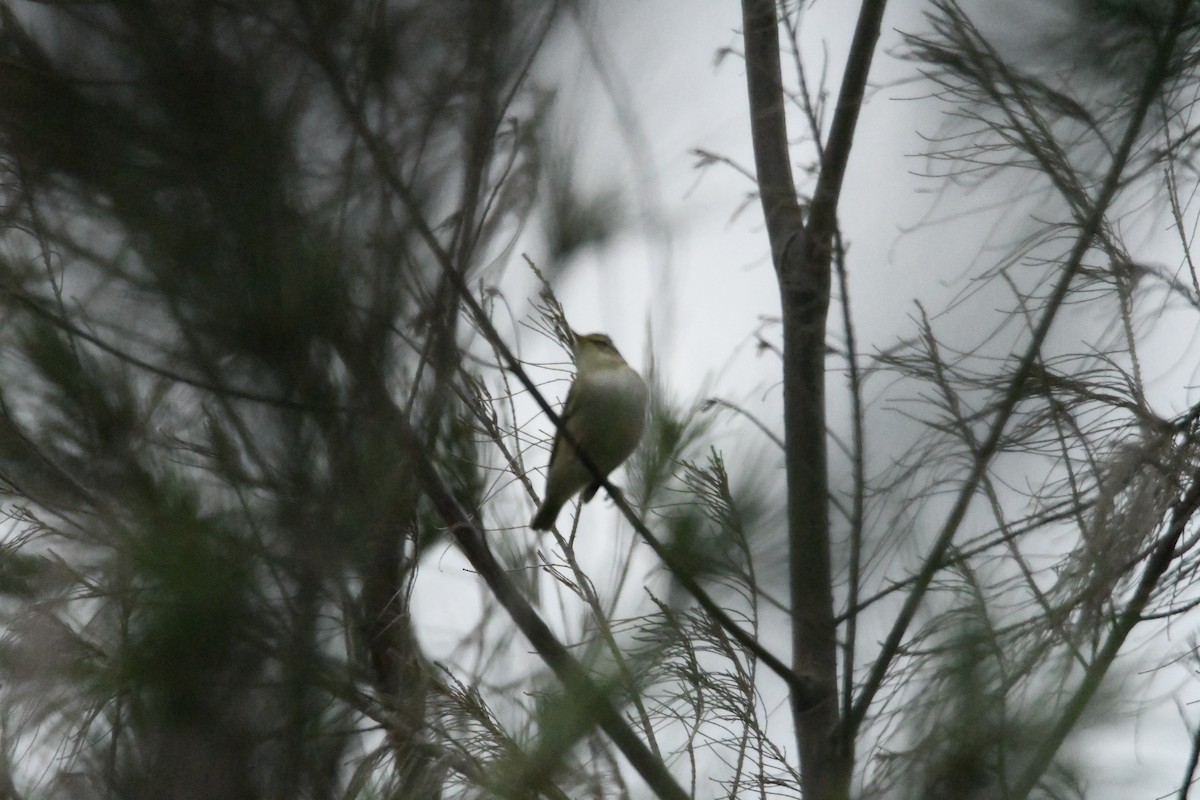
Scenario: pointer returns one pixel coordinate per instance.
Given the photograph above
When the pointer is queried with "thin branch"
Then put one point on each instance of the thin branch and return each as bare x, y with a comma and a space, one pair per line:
859, 478
75, 332
479, 316
1088, 231
1156, 565
755, 421
836, 156
473, 543
1189, 775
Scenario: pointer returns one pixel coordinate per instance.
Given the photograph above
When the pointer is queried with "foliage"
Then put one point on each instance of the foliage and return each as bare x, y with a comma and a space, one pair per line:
256, 401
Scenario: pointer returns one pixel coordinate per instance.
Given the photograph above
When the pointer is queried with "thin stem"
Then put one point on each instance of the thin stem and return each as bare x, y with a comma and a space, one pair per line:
480, 318
859, 478
579, 685
1189, 775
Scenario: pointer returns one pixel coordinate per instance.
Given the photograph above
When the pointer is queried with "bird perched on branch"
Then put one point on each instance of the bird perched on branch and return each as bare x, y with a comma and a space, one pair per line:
605, 414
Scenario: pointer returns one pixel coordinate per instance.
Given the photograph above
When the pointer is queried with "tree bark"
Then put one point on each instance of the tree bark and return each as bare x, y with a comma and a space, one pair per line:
802, 256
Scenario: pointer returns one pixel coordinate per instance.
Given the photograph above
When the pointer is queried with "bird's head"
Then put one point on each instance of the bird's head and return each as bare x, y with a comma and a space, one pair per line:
595, 350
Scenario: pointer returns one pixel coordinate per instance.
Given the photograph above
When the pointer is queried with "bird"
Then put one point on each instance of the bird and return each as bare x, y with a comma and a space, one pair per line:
605, 414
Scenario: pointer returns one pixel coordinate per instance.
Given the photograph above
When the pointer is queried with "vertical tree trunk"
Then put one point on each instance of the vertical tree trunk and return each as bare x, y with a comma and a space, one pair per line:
802, 259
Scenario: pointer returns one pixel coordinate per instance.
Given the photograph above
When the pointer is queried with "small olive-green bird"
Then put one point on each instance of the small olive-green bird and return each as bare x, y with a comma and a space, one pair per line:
605, 414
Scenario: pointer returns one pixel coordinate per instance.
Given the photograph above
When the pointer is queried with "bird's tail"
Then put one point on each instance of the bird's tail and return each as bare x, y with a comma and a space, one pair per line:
546, 514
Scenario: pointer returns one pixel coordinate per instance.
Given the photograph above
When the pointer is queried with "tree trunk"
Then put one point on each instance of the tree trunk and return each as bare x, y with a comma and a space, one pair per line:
802, 255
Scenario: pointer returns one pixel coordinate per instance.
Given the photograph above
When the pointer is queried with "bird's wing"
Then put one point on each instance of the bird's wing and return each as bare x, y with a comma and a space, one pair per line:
563, 419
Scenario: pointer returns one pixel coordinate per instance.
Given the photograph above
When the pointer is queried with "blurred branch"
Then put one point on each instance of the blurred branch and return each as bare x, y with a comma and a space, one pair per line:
1189, 773
755, 421
583, 585
220, 389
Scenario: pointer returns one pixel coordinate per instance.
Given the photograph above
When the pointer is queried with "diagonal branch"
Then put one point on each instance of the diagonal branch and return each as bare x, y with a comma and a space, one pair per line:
822, 221
1183, 512
513, 364
472, 542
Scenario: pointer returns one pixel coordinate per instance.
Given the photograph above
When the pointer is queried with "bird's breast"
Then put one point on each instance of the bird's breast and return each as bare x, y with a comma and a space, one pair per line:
612, 413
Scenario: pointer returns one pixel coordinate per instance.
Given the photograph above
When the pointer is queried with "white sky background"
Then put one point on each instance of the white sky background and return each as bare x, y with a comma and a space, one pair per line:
702, 291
